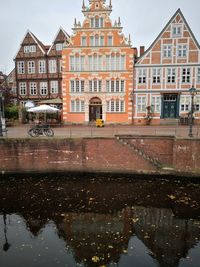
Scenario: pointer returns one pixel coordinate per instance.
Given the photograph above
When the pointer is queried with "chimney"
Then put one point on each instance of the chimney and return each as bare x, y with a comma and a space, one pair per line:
142, 50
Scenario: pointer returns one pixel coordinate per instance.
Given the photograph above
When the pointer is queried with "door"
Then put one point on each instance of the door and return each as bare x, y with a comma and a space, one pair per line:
95, 109
170, 106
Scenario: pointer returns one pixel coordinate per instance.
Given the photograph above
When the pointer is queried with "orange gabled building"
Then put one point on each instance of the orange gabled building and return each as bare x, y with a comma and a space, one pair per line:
97, 69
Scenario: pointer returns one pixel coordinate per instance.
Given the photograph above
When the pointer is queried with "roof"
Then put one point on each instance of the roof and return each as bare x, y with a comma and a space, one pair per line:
164, 29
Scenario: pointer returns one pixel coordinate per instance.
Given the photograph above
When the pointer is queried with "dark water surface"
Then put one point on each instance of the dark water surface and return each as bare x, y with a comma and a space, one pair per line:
90, 221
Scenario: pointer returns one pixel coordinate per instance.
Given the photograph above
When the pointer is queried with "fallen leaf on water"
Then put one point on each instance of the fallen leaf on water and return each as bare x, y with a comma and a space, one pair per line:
95, 259
171, 197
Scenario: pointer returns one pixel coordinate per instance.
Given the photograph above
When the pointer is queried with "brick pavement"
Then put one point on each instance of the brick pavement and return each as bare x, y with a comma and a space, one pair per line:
73, 131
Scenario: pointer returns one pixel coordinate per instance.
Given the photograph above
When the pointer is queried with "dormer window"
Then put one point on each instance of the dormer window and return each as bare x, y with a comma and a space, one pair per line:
29, 48
177, 31
59, 46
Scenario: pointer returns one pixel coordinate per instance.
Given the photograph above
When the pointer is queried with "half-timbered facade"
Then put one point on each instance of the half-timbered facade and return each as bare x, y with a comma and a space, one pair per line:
164, 74
39, 69
97, 69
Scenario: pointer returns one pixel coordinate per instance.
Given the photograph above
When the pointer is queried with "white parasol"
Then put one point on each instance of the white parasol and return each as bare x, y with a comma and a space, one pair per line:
43, 109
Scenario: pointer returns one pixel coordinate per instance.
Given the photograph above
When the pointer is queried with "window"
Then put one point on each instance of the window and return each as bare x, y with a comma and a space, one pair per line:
115, 62
155, 103
22, 88
198, 75
42, 66
171, 75
31, 67
101, 40
77, 106
29, 48
91, 40
115, 106
167, 51
197, 103
141, 104
110, 40
185, 103
60, 65
21, 67
77, 63
115, 86
83, 41
77, 86
59, 46
33, 88
142, 76
43, 88
95, 63
186, 75
54, 87
182, 51
156, 75
95, 86
52, 66
177, 31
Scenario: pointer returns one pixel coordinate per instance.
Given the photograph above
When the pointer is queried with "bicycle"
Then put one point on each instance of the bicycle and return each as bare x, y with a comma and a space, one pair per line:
41, 129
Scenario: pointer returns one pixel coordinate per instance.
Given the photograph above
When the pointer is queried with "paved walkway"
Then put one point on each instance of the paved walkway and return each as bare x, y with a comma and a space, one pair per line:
107, 131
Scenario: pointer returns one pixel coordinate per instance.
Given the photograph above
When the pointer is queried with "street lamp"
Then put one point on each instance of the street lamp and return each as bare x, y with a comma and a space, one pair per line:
192, 92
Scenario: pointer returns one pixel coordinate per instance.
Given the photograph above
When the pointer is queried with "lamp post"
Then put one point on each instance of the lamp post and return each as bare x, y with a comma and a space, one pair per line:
193, 92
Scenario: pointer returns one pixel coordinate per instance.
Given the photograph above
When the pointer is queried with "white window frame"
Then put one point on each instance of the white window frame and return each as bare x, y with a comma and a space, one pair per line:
141, 103
59, 46
197, 103
42, 66
54, 87
142, 76
21, 67
115, 86
167, 51
185, 103
77, 106
77, 86
43, 88
177, 30
29, 48
52, 66
115, 106
95, 86
182, 50
156, 75
22, 88
186, 75
31, 67
156, 103
171, 75
33, 88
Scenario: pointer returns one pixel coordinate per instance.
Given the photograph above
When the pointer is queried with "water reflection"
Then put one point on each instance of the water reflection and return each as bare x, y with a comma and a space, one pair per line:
99, 222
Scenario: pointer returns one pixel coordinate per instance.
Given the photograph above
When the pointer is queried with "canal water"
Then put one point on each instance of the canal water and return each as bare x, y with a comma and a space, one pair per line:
99, 221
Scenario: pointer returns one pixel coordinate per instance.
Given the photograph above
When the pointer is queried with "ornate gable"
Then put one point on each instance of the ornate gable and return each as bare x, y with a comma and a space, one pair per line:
176, 33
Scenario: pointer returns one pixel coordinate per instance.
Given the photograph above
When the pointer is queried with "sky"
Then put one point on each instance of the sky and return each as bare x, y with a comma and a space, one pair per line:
142, 19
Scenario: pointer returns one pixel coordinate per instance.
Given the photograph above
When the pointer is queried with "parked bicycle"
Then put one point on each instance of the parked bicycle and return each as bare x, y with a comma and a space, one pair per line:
40, 129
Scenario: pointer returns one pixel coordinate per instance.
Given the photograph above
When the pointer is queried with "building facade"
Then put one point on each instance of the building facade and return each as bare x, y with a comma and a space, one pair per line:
97, 69
164, 74
38, 69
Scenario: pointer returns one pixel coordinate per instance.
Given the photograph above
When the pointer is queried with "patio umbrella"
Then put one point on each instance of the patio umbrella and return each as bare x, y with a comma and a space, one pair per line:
43, 109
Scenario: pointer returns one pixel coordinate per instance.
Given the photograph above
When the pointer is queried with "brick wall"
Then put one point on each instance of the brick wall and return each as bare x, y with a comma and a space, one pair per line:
97, 154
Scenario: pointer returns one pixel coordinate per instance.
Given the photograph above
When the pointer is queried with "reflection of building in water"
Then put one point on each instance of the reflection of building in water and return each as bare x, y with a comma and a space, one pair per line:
103, 235
169, 238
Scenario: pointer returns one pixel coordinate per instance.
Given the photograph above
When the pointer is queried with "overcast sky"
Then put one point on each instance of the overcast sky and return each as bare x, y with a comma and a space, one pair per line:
143, 19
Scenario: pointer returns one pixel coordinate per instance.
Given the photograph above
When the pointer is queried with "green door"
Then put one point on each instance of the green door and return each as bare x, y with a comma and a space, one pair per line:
170, 106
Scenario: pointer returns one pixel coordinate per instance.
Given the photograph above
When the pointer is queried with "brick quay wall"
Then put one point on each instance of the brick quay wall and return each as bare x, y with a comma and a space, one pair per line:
123, 154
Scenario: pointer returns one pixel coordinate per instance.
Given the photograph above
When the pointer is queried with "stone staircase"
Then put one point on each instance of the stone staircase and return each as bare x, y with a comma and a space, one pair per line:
123, 140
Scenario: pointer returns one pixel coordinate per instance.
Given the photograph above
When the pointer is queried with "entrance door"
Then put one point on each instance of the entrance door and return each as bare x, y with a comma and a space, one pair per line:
170, 106
95, 109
